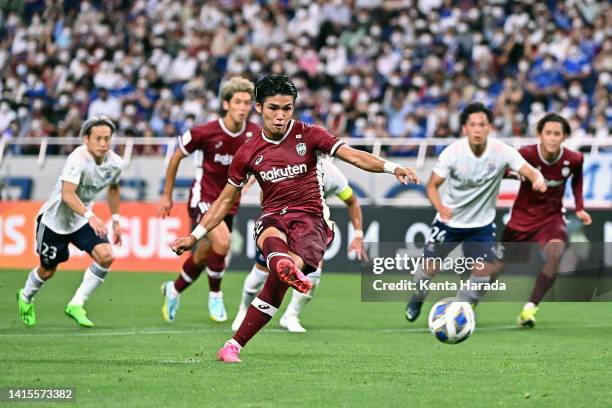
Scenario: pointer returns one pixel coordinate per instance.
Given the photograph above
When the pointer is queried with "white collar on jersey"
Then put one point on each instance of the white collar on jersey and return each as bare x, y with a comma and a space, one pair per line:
546, 161
279, 141
226, 130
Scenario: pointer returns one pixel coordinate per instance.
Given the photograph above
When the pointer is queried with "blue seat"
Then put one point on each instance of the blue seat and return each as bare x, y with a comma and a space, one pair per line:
133, 189
398, 189
22, 184
181, 188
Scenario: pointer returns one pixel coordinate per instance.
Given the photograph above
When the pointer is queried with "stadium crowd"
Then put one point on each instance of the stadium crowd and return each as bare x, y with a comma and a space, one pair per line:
364, 68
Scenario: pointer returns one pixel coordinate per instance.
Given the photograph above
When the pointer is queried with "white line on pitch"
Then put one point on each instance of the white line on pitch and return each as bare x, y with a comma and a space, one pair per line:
188, 361
147, 332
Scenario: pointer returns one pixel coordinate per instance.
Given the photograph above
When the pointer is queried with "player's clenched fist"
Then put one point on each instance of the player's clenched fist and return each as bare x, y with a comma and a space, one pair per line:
540, 184
181, 245
584, 216
406, 175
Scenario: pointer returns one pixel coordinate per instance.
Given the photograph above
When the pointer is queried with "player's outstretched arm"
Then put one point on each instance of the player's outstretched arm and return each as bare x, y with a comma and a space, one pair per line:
369, 162
582, 215
72, 200
113, 198
356, 217
213, 217
538, 182
165, 202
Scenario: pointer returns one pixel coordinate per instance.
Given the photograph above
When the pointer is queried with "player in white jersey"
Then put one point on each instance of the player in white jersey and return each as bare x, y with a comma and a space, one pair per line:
474, 167
334, 184
67, 217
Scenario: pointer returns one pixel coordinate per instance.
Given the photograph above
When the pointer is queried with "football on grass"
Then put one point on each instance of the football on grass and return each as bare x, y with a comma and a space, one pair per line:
452, 321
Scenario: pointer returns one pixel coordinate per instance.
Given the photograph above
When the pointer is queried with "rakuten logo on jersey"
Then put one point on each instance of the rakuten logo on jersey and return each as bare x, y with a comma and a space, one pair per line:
554, 183
224, 159
275, 174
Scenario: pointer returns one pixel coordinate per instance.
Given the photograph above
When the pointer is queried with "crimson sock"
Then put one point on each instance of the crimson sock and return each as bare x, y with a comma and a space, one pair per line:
542, 285
274, 249
215, 269
188, 275
262, 309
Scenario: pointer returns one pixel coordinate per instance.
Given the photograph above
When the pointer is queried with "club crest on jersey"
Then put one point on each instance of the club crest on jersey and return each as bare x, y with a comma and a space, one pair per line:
300, 148
565, 171
259, 159
106, 174
491, 167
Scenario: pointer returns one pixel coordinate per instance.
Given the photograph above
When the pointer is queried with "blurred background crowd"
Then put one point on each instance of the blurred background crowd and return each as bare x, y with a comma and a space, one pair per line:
364, 68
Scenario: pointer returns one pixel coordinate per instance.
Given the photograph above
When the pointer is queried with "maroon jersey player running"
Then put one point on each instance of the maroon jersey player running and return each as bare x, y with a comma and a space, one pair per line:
216, 143
293, 230
538, 217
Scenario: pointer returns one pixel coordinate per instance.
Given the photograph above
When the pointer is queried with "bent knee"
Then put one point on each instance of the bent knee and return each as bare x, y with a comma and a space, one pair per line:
104, 257
222, 246
45, 273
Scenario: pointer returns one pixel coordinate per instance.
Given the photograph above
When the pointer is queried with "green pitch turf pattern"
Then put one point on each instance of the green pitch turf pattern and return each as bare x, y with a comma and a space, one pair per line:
354, 354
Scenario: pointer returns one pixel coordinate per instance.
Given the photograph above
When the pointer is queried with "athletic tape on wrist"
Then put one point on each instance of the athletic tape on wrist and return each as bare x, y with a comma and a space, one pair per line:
199, 232
389, 167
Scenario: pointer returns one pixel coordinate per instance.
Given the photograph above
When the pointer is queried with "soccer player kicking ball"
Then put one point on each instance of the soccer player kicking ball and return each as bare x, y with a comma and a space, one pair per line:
215, 144
334, 183
539, 217
293, 230
67, 218
474, 167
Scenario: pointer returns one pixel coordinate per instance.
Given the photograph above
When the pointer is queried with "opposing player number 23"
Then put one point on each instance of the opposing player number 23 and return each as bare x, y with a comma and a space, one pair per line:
48, 251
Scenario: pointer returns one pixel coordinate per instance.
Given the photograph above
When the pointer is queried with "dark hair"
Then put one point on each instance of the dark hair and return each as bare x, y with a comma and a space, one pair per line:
274, 84
554, 117
96, 121
475, 107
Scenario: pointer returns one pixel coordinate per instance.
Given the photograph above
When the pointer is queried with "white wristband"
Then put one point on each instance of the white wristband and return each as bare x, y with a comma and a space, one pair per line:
389, 167
199, 231
116, 217
358, 233
88, 214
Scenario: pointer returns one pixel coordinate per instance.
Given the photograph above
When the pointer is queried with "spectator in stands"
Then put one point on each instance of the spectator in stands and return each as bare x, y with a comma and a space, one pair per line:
105, 105
167, 58
7, 115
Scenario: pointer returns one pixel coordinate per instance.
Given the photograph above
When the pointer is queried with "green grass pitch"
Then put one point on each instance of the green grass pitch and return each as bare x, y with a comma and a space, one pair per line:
354, 354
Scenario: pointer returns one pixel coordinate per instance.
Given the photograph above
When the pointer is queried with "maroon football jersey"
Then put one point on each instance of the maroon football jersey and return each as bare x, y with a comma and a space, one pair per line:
288, 170
533, 209
216, 147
